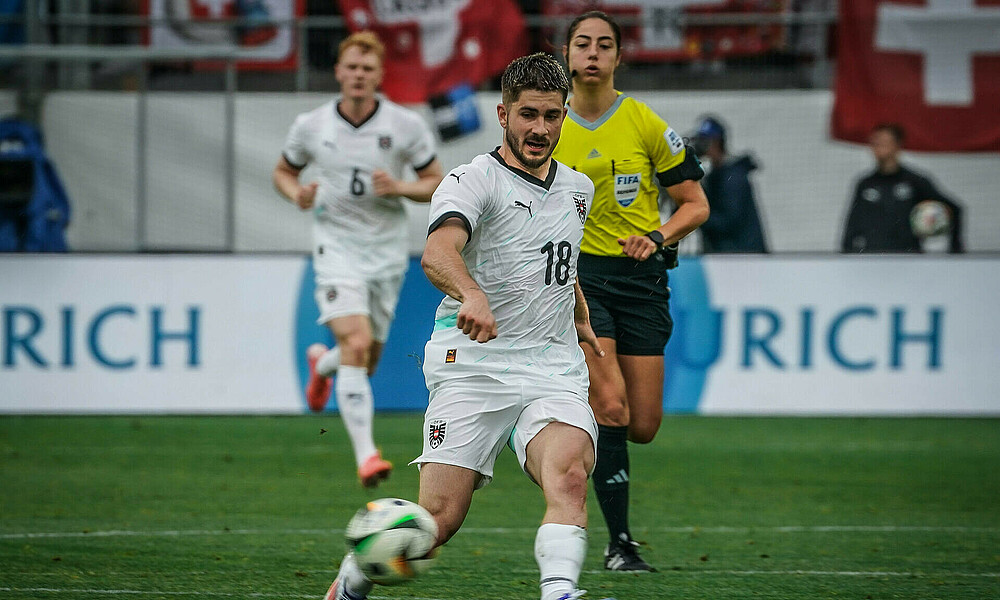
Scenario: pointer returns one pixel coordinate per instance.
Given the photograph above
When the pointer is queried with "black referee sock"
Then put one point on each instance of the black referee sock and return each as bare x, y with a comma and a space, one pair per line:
611, 478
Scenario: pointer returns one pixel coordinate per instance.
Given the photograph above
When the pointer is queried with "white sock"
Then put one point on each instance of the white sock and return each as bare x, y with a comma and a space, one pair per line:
354, 399
355, 582
328, 364
559, 551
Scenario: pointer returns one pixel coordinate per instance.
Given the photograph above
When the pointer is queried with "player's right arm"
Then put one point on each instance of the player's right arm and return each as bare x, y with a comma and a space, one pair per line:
295, 155
442, 262
286, 180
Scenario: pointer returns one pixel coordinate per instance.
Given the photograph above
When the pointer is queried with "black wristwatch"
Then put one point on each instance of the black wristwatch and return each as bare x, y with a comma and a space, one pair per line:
657, 238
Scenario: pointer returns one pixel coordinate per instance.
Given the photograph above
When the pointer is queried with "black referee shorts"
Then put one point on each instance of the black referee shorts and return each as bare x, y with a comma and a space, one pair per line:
629, 302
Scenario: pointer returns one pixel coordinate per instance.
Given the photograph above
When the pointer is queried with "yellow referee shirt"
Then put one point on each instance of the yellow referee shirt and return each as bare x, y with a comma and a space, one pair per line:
621, 152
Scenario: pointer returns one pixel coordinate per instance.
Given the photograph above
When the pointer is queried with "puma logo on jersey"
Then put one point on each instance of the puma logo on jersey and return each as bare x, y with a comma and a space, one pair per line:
458, 178
519, 204
594, 154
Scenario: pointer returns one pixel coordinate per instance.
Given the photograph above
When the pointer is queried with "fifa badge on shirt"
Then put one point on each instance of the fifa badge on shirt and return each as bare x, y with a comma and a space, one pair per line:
580, 200
331, 294
385, 142
435, 433
449, 356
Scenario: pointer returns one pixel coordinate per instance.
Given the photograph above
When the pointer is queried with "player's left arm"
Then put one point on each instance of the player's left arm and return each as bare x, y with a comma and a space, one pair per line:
581, 317
420, 190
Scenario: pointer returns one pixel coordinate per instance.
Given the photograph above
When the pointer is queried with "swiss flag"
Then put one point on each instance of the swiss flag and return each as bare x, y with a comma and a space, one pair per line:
431, 47
933, 66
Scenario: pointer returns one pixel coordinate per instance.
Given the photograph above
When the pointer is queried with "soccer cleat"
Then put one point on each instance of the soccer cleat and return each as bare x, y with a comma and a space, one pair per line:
623, 556
374, 470
318, 388
577, 595
338, 591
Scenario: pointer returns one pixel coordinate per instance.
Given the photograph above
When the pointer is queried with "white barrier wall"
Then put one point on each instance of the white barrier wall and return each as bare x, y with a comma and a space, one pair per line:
754, 335
142, 334
803, 184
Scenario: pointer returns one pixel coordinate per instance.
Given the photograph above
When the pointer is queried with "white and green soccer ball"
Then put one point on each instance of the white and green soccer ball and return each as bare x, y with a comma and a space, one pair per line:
929, 218
392, 540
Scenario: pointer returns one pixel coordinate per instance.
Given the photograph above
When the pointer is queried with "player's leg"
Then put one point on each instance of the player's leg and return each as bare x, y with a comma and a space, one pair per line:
608, 398
327, 360
643, 324
554, 440
446, 493
354, 396
383, 294
644, 377
560, 459
467, 423
342, 299
609, 402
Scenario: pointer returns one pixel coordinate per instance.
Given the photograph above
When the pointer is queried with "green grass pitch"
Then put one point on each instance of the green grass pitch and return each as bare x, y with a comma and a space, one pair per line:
254, 507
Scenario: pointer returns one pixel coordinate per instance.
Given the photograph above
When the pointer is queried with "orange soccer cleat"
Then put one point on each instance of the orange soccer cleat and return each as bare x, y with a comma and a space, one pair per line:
318, 388
374, 470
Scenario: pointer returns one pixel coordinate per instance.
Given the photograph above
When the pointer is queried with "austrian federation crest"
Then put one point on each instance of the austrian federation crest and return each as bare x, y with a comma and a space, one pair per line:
580, 200
436, 432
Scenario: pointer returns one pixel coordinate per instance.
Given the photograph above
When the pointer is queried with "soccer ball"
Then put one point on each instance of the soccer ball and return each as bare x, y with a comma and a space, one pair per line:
929, 218
392, 540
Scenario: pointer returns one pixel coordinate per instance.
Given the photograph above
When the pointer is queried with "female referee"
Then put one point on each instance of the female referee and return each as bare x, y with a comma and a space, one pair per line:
622, 145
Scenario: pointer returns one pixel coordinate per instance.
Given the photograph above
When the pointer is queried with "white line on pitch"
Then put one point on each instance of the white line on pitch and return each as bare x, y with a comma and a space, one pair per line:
509, 531
808, 573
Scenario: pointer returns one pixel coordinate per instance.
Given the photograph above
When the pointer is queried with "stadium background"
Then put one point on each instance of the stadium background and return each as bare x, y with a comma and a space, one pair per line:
187, 291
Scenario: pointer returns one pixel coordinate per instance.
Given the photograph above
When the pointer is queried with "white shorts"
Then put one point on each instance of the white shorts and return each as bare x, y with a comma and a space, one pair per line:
469, 420
375, 298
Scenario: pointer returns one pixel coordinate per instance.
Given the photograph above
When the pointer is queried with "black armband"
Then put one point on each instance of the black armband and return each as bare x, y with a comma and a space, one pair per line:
689, 169
448, 215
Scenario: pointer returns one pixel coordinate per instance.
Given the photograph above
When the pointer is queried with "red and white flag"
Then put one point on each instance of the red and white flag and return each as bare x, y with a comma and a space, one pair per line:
932, 66
431, 47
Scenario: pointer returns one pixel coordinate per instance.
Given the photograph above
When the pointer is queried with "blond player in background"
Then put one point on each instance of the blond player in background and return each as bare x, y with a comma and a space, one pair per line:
360, 146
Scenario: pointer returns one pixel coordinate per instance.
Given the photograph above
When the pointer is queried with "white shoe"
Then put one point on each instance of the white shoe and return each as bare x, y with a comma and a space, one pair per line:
577, 595
338, 591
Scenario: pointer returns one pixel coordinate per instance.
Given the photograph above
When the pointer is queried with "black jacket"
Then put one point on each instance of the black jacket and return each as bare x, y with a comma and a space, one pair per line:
733, 224
879, 217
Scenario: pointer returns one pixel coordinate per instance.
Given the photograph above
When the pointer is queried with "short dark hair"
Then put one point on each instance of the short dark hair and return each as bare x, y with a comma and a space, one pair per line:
539, 71
894, 129
596, 14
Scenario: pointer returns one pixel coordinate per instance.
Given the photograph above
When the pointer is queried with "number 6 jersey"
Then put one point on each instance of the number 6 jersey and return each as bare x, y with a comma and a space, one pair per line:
358, 235
524, 242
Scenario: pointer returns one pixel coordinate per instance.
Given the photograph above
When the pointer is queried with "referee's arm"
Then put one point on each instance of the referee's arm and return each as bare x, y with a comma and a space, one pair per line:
681, 182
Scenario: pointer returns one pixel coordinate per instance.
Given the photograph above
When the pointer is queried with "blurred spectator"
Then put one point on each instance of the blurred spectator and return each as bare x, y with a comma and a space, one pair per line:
884, 214
11, 32
34, 208
734, 224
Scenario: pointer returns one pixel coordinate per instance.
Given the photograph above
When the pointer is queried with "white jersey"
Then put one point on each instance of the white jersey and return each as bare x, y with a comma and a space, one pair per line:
523, 248
358, 235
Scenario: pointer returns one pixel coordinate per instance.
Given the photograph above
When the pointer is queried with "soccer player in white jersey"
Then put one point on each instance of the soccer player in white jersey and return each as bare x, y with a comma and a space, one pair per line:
360, 144
504, 365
